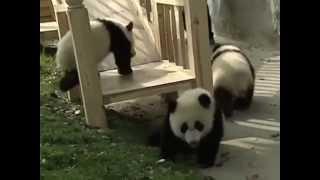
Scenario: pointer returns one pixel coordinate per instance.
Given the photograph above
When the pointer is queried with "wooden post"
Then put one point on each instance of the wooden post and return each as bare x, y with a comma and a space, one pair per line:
198, 42
155, 25
62, 19
86, 66
60, 10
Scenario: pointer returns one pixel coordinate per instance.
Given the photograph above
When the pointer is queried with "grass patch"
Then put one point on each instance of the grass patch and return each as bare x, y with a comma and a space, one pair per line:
71, 151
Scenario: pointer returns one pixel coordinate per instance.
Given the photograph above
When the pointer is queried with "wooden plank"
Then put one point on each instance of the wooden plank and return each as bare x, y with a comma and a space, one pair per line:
44, 12
148, 9
63, 24
44, 3
149, 91
162, 36
148, 75
198, 42
49, 35
168, 33
87, 68
181, 40
55, 2
45, 19
155, 25
174, 35
171, 2
48, 26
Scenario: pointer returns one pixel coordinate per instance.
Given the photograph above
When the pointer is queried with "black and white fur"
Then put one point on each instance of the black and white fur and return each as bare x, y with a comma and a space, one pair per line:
108, 36
233, 78
193, 124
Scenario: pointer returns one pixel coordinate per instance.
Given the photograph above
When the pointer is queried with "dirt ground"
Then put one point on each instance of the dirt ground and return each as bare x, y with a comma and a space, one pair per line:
251, 149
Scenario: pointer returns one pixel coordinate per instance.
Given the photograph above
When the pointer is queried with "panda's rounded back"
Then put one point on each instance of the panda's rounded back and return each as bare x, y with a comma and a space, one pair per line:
230, 69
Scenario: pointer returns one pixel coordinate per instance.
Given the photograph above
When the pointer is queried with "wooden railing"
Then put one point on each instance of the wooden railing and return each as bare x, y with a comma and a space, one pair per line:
190, 48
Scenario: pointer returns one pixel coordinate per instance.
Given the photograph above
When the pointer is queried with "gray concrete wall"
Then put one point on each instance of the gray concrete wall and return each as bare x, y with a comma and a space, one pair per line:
256, 21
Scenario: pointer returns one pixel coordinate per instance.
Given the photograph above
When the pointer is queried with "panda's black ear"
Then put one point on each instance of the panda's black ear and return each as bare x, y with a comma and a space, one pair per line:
130, 26
172, 105
204, 100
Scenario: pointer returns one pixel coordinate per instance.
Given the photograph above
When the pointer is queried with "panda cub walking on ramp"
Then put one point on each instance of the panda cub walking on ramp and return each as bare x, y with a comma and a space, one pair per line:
108, 36
233, 78
193, 124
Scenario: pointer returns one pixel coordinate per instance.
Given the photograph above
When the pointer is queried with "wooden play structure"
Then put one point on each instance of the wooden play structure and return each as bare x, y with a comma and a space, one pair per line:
53, 19
183, 63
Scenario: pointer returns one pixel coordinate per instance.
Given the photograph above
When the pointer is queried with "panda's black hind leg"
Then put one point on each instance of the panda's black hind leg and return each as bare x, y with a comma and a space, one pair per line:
154, 138
243, 103
69, 80
224, 100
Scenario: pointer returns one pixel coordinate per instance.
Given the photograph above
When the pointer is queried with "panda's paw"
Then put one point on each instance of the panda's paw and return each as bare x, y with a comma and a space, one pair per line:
167, 157
219, 164
206, 165
161, 161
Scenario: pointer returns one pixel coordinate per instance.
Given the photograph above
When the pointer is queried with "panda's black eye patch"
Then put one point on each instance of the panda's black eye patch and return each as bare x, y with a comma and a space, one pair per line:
184, 127
198, 125
204, 100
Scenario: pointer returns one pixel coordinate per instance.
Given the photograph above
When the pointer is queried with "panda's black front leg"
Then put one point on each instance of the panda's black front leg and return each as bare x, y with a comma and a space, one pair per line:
207, 154
209, 145
168, 145
168, 153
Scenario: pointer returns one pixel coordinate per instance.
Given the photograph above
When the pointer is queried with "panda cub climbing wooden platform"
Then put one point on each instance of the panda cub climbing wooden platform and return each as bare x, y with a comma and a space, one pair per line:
184, 61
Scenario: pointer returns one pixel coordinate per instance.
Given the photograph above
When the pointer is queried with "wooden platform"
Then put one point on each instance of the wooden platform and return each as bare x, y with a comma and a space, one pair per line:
146, 80
49, 30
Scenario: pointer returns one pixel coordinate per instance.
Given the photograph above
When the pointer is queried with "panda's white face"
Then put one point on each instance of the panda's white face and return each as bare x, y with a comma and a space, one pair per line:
192, 118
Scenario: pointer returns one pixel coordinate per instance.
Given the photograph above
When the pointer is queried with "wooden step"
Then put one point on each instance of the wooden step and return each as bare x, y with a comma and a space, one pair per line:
48, 26
146, 80
49, 30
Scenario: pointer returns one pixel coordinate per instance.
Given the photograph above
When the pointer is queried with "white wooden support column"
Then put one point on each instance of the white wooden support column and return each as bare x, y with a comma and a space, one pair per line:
87, 69
198, 42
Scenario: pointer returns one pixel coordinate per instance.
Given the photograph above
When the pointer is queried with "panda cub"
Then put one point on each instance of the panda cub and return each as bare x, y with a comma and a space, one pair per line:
233, 78
193, 124
108, 36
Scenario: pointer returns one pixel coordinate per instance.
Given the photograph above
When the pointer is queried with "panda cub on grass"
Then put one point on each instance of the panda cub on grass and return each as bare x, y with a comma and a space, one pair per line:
193, 124
108, 36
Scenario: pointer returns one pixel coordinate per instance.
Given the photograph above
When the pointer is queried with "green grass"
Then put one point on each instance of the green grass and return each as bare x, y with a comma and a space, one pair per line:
72, 151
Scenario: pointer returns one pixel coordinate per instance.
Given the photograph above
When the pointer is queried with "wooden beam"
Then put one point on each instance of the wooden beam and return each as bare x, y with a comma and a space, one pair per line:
174, 35
181, 40
162, 31
155, 24
171, 2
60, 10
87, 68
168, 32
198, 42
